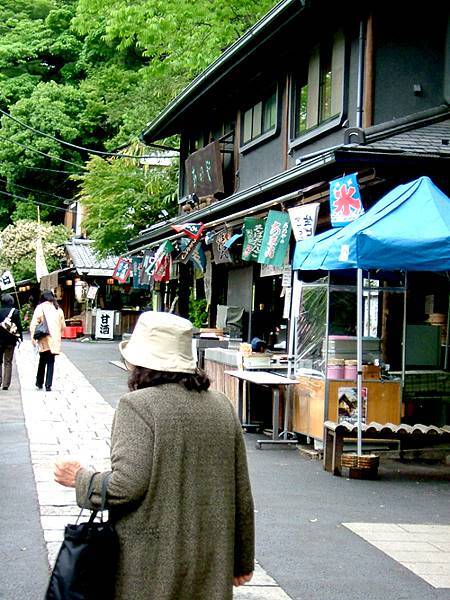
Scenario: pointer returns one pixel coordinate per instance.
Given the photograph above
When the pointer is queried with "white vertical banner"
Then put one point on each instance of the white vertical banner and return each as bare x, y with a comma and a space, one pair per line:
207, 280
41, 265
6, 281
304, 220
104, 324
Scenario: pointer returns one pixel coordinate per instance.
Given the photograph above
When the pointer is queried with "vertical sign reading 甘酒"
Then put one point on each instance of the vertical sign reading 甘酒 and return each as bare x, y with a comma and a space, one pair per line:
275, 243
104, 324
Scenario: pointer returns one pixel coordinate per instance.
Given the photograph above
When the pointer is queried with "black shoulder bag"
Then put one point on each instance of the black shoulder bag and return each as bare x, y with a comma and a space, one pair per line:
41, 330
86, 564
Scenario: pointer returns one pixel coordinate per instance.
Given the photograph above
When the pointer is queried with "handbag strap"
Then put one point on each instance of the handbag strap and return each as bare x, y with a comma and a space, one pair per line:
103, 495
105, 483
9, 315
88, 495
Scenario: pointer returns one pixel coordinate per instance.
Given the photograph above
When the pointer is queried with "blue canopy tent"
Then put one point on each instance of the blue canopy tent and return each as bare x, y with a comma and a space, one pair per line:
408, 229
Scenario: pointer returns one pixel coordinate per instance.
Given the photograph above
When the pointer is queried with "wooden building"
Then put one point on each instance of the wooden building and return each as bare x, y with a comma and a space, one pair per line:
312, 92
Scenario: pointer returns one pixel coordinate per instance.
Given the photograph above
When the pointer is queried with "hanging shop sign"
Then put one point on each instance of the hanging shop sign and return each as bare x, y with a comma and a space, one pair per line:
6, 281
304, 220
198, 258
192, 230
148, 262
232, 240
270, 271
92, 292
187, 246
207, 280
122, 270
137, 267
204, 171
104, 324
220, 251
275, 242
253, 235
345, 200
162, 263
81, 289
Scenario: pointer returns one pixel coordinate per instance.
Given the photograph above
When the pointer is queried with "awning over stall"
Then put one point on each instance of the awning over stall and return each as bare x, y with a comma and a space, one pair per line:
408, 229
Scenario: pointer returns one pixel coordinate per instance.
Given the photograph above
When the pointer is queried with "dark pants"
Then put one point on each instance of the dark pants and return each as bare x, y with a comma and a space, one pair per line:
6, 357
46, 361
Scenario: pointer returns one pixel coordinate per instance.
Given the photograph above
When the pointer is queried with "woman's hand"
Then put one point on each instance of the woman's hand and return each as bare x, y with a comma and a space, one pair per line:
242, 579
66, 470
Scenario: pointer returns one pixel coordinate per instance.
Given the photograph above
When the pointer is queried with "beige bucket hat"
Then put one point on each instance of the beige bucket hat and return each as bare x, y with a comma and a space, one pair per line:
162, 342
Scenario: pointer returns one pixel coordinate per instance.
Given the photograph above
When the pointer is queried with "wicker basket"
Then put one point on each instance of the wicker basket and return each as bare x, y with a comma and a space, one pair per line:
367, 461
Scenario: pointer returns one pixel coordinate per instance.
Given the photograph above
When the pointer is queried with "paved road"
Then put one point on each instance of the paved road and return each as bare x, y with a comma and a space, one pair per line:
301, 540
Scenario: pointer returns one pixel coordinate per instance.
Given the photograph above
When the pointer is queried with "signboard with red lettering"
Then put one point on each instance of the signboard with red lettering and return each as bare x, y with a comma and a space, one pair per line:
345, 200
122, 270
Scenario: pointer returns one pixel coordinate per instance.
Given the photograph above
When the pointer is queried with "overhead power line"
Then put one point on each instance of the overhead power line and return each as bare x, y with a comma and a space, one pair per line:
83, 148
52, 170
67, 162
39, 191
36, 202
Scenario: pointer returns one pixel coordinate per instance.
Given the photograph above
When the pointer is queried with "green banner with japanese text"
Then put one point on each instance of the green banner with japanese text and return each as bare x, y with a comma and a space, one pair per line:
253, 230
275, 243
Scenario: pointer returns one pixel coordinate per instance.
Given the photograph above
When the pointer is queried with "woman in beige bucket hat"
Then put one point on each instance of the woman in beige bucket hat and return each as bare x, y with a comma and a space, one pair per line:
179, 492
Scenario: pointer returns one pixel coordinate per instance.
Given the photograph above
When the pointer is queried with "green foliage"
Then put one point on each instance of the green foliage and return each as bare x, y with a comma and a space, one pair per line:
26, 314
120, 198
94, 73
198, 310
18, 249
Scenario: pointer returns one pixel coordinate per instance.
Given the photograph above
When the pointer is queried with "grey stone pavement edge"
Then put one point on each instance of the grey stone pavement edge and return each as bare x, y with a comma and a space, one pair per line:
306, 542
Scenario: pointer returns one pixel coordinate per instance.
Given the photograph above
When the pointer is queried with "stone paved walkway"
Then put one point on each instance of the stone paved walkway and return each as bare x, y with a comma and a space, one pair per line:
421, 548
73, 419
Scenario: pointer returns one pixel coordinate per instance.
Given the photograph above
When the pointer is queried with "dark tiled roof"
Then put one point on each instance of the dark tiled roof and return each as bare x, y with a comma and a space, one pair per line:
83, 256
432, 139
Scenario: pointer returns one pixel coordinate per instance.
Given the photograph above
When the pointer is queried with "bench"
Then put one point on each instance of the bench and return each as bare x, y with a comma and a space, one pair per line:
409, 436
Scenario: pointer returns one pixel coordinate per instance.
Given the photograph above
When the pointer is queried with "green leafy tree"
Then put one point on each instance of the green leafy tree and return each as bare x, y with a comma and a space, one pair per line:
18, 247
93, 73
120, 197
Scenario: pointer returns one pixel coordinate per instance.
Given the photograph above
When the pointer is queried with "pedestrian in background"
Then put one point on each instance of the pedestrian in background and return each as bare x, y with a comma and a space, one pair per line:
50, 345
8, 340
179, 492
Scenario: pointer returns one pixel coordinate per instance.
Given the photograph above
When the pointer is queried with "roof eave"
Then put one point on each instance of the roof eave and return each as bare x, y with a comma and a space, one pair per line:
206, 214
216, 71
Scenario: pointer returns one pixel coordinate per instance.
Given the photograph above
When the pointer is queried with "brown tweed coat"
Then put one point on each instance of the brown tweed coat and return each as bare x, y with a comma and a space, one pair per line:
179, 494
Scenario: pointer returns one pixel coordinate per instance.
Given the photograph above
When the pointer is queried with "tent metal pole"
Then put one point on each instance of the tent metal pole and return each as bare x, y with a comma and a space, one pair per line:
359, 329
404, 329
447, 338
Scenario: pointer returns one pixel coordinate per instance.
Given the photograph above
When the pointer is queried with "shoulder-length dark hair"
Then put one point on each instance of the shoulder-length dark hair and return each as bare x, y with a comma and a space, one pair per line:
140, 378
48, 296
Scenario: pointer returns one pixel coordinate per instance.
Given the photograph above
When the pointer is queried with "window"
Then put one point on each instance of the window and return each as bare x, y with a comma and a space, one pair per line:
318, 87
260, 119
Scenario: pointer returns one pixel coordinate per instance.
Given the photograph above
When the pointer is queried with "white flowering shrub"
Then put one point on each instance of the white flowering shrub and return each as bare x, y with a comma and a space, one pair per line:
18, 247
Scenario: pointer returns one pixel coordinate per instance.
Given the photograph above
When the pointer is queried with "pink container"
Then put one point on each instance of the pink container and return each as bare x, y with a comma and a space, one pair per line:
335, 372
350, 372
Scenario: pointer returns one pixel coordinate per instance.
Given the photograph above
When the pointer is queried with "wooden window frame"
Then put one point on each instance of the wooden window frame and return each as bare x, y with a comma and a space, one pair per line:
262, 136
316, 123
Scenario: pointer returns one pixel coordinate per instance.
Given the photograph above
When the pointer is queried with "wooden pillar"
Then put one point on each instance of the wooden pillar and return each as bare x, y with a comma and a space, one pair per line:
184, 288
368, 75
